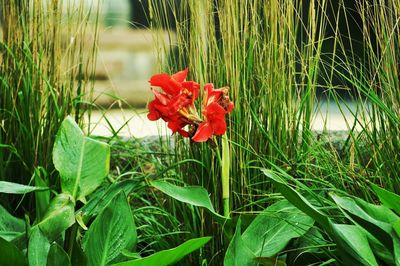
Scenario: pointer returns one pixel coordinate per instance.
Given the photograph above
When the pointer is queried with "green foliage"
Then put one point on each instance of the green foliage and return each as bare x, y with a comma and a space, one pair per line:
387, 198
193, 195
57, 256
101, 197
83, 162
11, 255
238, 253
41, 81
58, 217
170, 256
10, 227
368, 237
272, 229
112, 231
14, 188
55, 237
38, 248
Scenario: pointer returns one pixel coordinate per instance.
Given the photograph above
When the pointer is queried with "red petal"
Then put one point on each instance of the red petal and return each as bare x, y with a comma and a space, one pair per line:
167, 83
214, 111
159, 80
219, 126
230, 107
183, 133
193, 87
153, 116
203, 133
161, 97
180, 76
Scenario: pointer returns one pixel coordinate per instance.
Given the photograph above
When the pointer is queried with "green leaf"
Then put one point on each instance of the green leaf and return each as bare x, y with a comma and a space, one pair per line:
42, 198
193, 195
298, 200
238, 253
38, 248
396, 249
309, 249
347, 252
112, 231
10, 255
83, 162
356, 240
103, 196
380, 251
15, 188
59, 216
387, 198
10, 227
396, 227
272, 229
57, 256
375, 219
169, 256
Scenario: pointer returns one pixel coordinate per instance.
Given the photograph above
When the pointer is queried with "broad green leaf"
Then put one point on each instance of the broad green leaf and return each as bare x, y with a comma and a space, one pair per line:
272, 229
297, 199
378, 212
102, 197
10, 255
59, 216
379, 250
10, 227
42, 198
396, 227
83, 162
112, 231
238, 253
169, 256
38, 248
387, 198
347, 252
375, 219
308, 249
193, 195
356, 241
396, 249
57, 256
15, 188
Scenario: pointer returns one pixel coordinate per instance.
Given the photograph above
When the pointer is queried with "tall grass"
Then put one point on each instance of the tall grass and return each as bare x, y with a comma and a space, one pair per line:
47, 51
268, 53
275, 55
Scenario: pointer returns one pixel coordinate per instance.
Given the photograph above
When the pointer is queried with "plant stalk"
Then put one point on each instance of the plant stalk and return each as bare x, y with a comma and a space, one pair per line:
225, 175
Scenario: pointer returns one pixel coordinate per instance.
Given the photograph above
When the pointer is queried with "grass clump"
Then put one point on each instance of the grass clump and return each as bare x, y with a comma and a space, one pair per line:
47, 56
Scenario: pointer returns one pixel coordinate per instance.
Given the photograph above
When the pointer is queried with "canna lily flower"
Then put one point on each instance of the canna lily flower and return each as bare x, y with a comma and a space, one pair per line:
215, 105
174, 103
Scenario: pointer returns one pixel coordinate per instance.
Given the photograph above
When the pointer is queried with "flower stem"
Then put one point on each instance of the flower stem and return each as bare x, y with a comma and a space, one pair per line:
225, 175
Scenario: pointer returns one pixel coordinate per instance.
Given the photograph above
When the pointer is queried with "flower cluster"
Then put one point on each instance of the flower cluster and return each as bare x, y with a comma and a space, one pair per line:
174, 102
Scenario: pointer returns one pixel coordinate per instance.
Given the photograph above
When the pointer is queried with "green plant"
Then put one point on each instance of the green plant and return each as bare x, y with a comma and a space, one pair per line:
48, 53
369, 235
277, 57
61, 236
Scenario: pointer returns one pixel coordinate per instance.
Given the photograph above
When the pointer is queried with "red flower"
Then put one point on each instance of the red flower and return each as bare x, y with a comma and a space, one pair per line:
175, 102
216, 104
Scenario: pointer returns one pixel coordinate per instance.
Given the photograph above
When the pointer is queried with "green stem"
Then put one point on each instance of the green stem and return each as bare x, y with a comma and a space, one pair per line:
225, 165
